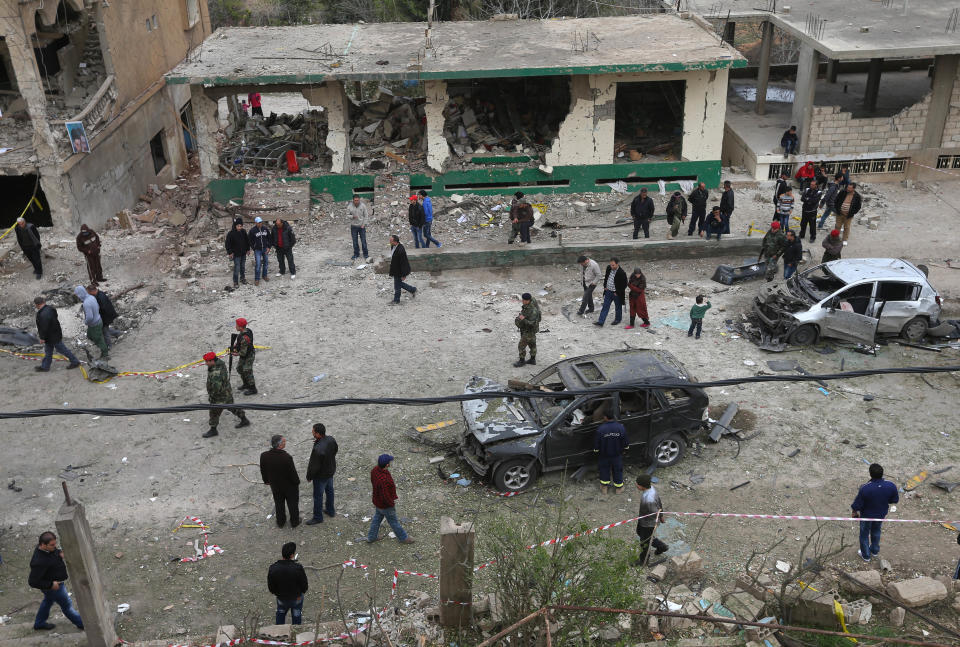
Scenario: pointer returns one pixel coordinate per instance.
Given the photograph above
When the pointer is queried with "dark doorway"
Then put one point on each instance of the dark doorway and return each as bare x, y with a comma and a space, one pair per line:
649, 120
156, 152
16, 191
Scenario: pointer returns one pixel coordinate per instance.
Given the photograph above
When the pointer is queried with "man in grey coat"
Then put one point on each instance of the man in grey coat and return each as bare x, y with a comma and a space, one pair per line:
359, 212
589, 278
650, 508
91, 317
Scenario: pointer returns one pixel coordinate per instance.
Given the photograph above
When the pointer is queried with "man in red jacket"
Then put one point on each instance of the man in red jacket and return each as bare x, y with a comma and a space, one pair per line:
385, 500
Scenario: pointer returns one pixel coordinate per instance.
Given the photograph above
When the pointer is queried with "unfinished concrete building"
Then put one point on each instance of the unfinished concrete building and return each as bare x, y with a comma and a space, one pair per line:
869, 84
496, 106
100, 64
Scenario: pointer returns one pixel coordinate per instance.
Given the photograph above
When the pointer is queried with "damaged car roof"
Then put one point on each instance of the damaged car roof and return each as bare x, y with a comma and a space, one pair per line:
858, 269
620, 366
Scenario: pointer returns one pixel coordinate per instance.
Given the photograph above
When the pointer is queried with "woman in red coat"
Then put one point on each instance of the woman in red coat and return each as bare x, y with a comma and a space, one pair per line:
638, 299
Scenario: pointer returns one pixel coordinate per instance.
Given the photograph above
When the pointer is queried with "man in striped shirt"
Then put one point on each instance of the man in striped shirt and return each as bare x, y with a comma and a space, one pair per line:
785, 209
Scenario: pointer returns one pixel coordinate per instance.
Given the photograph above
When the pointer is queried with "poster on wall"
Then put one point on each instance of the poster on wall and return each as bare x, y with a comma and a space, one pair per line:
78, 137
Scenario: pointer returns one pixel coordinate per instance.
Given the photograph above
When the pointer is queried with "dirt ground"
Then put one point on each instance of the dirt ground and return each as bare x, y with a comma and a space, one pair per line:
142, 474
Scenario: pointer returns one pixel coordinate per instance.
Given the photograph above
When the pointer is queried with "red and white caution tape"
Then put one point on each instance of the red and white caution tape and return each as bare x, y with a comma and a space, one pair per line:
208, 550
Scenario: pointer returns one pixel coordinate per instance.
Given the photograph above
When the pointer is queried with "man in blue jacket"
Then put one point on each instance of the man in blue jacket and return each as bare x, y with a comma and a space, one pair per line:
873, 502
427, 219
609, 442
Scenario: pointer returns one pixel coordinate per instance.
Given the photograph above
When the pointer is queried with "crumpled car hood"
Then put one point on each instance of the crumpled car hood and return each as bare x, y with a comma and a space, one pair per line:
780, 296
496, 419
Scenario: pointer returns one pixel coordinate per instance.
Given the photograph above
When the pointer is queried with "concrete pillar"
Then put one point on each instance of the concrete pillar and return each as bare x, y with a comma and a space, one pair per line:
873, 84
205, 118
804, 90
29, 83
944, 76
586, 133
456, 573
833, 66
729, 32
763, 73
85, 583
438, 151
704, 106
333, 97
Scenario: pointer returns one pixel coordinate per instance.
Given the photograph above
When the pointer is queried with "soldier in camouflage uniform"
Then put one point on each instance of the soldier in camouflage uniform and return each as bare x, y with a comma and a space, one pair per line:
772, 248
528, 321
219, 392
243, 350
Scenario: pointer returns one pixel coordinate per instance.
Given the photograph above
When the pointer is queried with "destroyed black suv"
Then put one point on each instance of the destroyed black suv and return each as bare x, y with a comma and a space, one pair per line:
513, 439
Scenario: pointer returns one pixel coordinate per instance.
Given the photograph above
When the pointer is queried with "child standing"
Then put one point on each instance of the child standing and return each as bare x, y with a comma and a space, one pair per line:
696, 316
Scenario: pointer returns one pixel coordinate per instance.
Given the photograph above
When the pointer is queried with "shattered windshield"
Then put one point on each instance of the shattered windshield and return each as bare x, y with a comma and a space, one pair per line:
816, 283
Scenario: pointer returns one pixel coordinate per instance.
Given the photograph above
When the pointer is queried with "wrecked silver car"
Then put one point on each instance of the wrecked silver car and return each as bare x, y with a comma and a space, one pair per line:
513, 439
850, 299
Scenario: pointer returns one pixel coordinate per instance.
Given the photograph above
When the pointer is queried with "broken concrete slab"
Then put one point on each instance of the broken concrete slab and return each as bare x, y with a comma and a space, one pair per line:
897, 616
686, 564
857, 612
275, 631
917, 592
869, 578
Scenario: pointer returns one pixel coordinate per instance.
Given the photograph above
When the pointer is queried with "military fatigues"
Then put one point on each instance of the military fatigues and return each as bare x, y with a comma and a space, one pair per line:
219, 392
774, 243
246, 353
529, 326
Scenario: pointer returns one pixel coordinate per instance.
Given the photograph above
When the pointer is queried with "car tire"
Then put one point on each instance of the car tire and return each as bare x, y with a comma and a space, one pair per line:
915, 329
516, 474
805, 335
667, 450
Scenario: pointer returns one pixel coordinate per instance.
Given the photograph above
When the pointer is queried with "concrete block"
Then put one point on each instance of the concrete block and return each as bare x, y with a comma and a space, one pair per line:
946, 580
657, 573
917, 592
896, 616
744, 605
857, 612
758, 634
687, 563
762, 587
306, 636
225, 633
275, 632
870, 578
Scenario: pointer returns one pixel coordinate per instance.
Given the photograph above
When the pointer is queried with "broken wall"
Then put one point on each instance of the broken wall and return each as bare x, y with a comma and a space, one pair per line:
587, 133
438, 152
122, 168
951, 130
835, 131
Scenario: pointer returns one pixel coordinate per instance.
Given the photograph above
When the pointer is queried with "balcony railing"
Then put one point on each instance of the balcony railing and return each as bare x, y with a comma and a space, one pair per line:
94, 114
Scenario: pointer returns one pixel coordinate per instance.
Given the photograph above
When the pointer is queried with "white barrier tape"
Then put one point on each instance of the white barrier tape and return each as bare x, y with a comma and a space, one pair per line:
798, 517
938, 170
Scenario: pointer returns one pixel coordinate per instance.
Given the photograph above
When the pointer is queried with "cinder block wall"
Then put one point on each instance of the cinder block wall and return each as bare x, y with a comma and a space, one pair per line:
951, 130
834, 131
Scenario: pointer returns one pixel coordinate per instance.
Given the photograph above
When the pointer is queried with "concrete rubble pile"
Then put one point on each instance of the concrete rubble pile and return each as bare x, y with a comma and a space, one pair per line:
473, 126
263, 143
388, 119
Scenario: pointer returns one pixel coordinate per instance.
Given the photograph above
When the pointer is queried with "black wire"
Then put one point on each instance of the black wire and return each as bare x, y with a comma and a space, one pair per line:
483, 395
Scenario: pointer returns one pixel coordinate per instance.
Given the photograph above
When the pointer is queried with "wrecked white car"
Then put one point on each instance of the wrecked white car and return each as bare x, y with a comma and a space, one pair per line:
851, 299
514, 439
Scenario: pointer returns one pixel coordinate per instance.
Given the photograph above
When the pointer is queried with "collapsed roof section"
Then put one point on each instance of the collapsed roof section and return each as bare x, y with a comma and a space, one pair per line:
310, 54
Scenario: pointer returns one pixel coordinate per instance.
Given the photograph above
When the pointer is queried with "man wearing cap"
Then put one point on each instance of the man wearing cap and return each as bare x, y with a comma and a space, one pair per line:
50, 333
219, 392
108, 314
260, 244
237, 246
416, 217
399, 270
641, 209
771, 249
427, 219
832, 247
609, 442
359, 213
528, 321
244, 351
589, 278
278, 471
650, 508
28, 237
385, 501
521, 217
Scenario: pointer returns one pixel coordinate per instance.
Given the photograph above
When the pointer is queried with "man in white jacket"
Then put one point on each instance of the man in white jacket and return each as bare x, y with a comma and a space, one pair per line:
589, 277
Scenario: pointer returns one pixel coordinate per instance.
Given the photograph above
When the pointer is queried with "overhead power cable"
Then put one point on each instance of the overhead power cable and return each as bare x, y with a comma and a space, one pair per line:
482, 395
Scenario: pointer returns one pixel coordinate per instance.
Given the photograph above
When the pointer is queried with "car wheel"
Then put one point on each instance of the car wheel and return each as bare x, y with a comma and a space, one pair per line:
805, 335
667, 450
515, 475
915, 329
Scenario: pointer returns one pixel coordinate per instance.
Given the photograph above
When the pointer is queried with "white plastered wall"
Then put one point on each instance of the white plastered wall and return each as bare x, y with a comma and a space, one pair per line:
438, 151
333, 97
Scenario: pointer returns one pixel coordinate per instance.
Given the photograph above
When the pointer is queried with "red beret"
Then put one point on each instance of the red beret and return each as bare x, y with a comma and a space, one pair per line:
209, 357
835, 233
242, 322
774, 225
413, 198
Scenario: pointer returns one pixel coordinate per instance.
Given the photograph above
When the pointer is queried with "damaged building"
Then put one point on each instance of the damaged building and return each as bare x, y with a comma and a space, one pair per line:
482, 107
95, 69
870, 85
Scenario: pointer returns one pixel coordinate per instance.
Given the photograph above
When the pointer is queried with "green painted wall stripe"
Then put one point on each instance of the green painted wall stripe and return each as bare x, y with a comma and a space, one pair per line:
307, 79
565, 179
